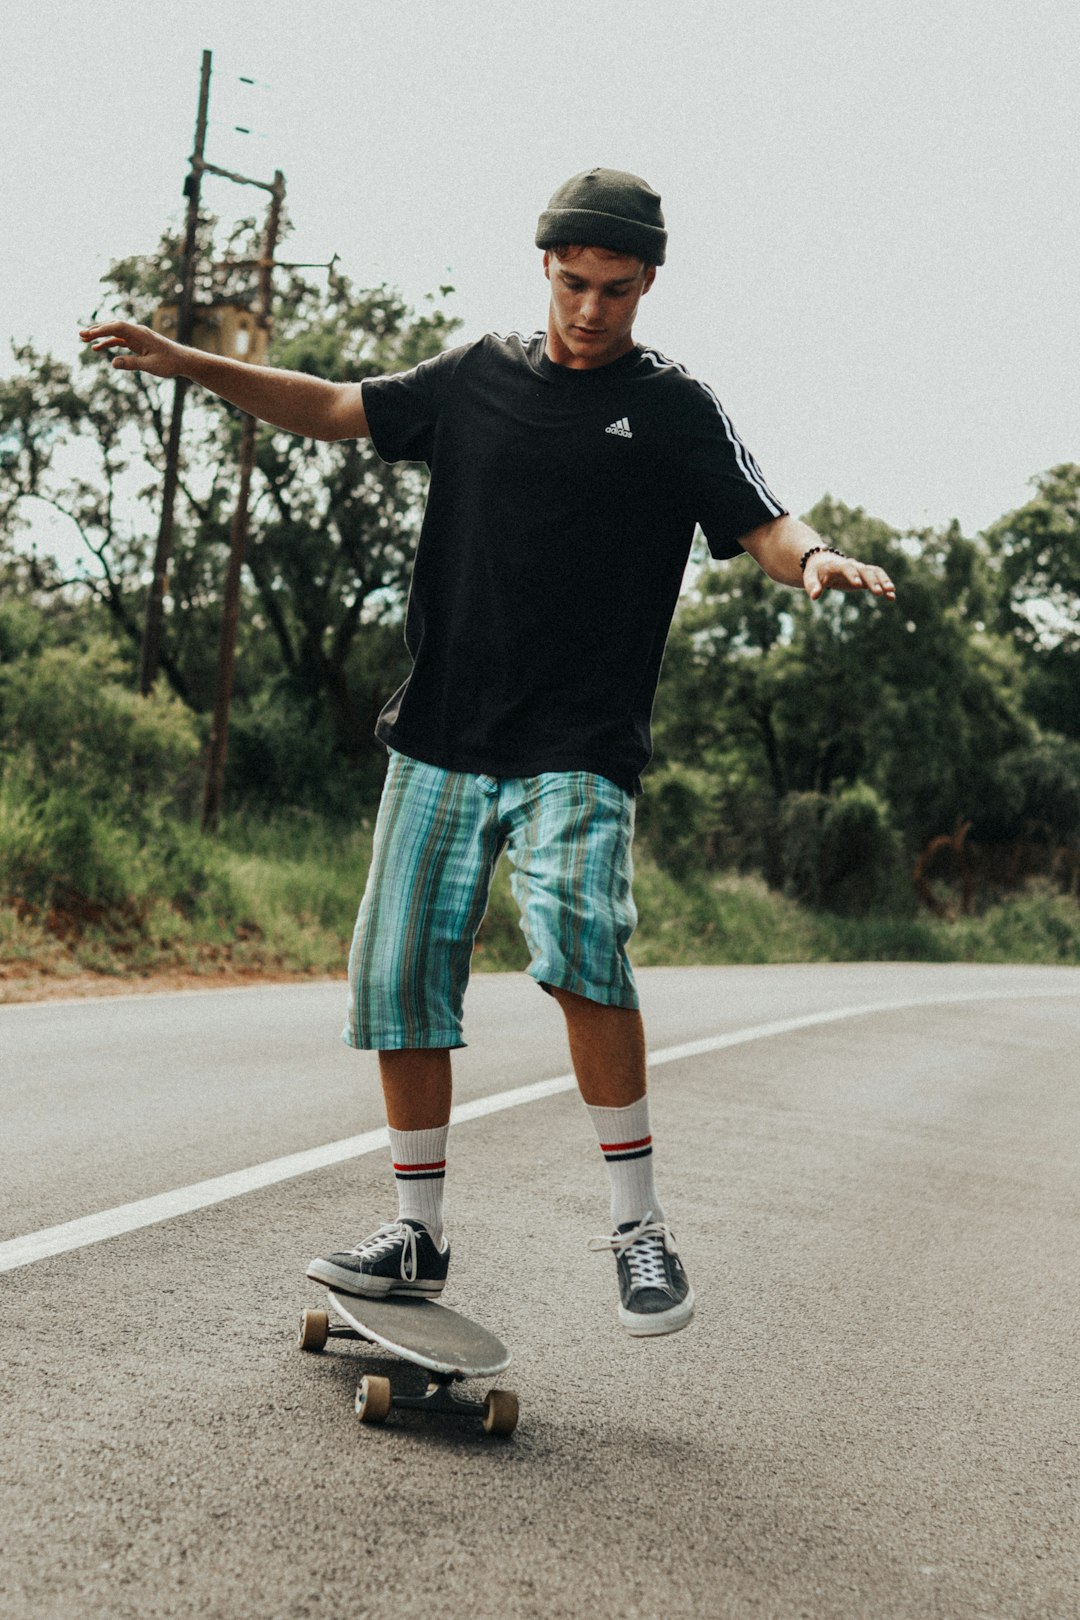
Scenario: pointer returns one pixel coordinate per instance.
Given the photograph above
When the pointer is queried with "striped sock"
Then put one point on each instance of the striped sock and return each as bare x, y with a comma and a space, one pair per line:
626, 1143
420, 1172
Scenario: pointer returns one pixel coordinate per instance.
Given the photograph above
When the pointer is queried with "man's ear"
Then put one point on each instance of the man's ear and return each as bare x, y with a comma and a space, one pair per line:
547, 263
650, 277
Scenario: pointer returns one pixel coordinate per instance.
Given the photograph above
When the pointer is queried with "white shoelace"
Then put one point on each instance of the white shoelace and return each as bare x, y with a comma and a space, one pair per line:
644, 1247
382, 1241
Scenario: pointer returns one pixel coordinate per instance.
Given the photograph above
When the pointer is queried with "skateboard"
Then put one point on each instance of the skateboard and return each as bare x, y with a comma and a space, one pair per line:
445, 1343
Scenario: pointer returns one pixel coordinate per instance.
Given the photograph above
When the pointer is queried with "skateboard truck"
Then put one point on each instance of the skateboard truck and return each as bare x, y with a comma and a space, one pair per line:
376, 1397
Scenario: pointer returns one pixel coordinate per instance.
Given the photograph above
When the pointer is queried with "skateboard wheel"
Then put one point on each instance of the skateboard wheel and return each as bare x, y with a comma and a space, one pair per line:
374, 1398
314, 1330
500, 1411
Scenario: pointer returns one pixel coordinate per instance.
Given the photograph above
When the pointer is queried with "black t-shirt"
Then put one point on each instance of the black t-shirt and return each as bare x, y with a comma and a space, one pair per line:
560, 514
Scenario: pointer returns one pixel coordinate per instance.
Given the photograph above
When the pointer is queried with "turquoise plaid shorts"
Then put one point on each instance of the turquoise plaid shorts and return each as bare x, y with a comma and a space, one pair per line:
438, 837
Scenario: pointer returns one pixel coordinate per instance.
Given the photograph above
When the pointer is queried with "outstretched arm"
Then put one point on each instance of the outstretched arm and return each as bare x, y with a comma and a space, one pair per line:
779, 546
286, 399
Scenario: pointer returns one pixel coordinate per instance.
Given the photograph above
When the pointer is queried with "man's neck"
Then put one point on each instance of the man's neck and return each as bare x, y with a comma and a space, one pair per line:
561, 354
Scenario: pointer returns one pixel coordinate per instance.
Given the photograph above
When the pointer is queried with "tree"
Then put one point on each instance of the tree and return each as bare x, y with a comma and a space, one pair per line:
766, 694
332, 528
1037, 554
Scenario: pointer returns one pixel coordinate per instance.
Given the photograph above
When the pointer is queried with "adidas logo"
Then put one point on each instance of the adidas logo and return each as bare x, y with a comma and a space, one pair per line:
621, 427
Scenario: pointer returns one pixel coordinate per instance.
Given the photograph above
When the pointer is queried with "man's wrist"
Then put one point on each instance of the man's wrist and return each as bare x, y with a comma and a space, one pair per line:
812, 550
198, 366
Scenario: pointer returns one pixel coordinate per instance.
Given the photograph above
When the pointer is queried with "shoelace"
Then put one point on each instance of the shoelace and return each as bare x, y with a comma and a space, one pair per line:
382, 1241
644, 1247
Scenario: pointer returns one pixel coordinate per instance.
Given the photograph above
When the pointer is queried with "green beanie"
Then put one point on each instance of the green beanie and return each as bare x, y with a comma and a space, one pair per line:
606, 208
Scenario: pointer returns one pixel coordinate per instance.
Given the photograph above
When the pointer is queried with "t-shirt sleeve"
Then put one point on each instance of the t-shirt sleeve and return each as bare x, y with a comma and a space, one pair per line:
402, 409
726, 487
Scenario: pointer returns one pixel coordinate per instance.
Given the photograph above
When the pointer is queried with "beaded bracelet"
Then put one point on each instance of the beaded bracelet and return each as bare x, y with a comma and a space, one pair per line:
806, 556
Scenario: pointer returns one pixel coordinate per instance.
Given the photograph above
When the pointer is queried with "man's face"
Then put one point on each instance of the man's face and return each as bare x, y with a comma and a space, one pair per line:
594, 299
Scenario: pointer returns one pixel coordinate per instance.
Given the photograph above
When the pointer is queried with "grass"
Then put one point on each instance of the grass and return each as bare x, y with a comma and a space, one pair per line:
287, 890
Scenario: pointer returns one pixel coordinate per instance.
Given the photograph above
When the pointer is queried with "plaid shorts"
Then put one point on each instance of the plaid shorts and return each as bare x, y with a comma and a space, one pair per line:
438, 838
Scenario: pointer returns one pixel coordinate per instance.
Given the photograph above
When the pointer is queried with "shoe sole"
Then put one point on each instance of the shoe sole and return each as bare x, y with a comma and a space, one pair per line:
347, 1282
641, 1326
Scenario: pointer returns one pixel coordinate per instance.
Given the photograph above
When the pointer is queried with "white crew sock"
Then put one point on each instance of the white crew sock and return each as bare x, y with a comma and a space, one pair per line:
419, 1159
626, 1143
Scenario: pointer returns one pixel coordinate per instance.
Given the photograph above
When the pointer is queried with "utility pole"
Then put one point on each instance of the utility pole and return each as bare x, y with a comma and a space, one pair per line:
230, 612
151, 642
186, 330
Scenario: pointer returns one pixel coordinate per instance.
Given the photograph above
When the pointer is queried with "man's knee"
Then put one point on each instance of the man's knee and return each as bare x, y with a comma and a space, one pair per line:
560, 994
574, 1000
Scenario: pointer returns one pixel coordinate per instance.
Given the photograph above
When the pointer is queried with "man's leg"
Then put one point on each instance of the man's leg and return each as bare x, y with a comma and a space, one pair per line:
409, 1255
436, 843
570, 847
607, 1047
417, 1088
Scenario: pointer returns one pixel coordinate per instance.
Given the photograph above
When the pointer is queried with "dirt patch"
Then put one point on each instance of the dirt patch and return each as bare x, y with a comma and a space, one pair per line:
57, 987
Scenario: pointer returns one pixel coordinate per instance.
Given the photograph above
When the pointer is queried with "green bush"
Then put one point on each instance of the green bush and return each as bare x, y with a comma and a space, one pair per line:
281, 752
66, 721
93, 780
22, 629
57, 851
840, 852
799, 828
61, 853
673, 816
1045, 779
1039, 924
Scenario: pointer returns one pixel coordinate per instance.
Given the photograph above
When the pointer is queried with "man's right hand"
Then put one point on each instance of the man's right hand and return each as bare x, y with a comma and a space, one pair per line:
292, 400
147, 350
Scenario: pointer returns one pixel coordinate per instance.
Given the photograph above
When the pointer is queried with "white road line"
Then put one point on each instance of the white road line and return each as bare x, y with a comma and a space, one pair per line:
109, 1223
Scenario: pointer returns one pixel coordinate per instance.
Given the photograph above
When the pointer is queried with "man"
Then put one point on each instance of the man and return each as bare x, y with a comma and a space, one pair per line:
568, 473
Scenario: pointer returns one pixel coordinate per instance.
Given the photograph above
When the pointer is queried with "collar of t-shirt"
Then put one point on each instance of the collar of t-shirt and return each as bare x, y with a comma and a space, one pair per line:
593, 376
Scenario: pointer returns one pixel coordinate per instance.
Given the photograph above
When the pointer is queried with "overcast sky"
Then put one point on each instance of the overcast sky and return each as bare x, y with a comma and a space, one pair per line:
871, 204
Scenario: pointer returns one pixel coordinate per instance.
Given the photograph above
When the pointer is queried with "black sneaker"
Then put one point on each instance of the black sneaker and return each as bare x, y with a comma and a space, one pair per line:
654, 1291
400, 1258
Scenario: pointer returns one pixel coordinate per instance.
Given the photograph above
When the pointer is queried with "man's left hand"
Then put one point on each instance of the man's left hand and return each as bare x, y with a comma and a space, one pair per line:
825, 571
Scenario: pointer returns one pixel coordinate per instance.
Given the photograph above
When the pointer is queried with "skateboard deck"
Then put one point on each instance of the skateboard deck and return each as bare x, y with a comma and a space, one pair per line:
448, 1345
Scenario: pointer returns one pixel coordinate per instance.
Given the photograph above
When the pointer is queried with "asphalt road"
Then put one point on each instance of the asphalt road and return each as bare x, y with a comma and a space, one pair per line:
875, 1413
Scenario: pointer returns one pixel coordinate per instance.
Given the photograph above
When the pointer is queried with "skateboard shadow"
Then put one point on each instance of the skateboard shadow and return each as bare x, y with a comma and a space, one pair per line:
349, 1365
